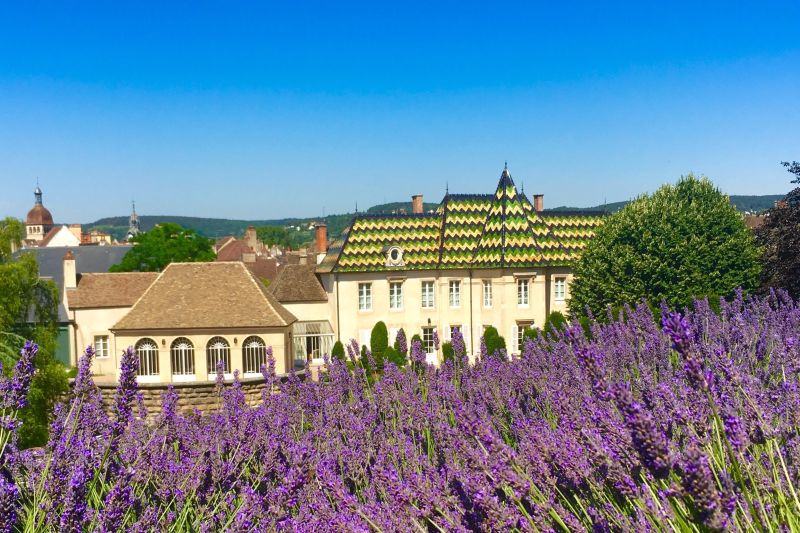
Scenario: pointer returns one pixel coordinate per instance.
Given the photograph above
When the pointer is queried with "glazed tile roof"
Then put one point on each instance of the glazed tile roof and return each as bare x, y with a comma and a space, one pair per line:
466, 231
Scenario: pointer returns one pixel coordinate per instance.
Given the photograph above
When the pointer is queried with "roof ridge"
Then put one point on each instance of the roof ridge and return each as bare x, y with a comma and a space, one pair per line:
265, 295
144, 293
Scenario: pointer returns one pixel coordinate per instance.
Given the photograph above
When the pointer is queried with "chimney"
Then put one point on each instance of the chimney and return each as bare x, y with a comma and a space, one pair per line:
416, 204
70, 275
250, 237
322, 237
538, 202
76, 230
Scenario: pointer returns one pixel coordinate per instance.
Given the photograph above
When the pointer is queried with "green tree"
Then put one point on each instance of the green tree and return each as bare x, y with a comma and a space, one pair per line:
29, 310
337, 352
494, 342
164, 244
448, 354
272, 235
779, 236
684, 241
378, 342
554, 322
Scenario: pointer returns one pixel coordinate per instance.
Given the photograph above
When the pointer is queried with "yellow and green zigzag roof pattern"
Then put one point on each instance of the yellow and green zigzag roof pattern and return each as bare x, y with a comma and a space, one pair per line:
500, 230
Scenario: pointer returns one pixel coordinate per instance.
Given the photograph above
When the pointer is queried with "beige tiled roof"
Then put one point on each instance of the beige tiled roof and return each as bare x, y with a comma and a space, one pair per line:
109, 290
298, 283
206, 295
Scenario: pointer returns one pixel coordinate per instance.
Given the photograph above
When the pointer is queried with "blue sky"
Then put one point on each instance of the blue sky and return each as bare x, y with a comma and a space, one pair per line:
243, 111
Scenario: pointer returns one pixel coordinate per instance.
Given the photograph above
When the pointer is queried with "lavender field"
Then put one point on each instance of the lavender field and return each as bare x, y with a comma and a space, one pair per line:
682, 422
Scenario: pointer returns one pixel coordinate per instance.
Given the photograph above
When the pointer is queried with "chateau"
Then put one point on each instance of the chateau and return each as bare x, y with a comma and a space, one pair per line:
477, 260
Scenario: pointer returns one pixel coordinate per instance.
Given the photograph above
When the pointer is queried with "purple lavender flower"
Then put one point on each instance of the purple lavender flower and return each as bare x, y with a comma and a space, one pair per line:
9, 504
219, 379
435, 340
418, 355
484, 349
459, 347
647, 439
401, 342
16, 395
74, 516
127, 390
83, 381
698, 481
677, 328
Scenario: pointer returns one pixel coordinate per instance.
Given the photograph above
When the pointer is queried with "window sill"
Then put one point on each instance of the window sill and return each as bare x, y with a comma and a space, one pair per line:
523, 306
396, 310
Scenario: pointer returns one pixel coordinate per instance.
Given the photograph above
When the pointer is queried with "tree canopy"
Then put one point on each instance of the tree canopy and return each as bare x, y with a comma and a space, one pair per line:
780, 240
162, 245
29, 310
684, 241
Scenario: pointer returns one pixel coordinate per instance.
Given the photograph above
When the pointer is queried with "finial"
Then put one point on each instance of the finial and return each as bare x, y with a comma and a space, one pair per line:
505, 166
446, 187
523, 187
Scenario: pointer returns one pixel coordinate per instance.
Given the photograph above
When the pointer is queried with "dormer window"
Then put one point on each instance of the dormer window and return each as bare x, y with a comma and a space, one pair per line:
394, 256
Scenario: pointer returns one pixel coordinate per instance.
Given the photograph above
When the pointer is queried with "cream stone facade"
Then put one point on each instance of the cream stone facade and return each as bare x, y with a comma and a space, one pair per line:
475, 307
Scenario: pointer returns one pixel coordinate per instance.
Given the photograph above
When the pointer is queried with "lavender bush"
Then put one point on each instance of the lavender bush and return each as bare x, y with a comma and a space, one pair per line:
683, 422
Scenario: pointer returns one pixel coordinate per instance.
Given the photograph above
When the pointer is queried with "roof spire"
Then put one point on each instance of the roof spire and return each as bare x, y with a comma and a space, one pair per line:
505, 166
446, 188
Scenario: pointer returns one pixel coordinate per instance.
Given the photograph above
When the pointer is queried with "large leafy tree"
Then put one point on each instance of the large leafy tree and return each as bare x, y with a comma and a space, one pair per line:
684, 241
29, 310
164, 244
780, 239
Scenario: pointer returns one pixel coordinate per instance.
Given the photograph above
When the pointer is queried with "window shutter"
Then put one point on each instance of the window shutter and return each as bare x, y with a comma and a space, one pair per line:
515, 338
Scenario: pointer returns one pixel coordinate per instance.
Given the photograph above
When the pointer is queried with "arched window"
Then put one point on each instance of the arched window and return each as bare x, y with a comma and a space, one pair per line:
218, 349
254, 353
182, 354
147, 350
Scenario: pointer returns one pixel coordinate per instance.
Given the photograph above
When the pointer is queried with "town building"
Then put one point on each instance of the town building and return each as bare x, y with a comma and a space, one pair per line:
181, 321
38, 222
478, 260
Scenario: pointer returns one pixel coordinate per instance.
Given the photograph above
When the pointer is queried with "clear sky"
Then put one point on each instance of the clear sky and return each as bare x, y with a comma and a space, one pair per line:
291, 109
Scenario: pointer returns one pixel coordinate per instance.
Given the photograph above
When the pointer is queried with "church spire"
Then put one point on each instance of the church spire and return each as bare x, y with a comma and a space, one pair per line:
133, 222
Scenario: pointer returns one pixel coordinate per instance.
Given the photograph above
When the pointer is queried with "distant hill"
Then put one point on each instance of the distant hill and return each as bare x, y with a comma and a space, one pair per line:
743, 203
219, 227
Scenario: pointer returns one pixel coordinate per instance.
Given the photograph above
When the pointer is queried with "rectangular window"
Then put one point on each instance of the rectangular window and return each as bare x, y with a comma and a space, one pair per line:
453, 329
395, 295
365, 296
427, 340
522, 292
427, 295
521, 326
487, 294
101, 346
560, 289
455, 294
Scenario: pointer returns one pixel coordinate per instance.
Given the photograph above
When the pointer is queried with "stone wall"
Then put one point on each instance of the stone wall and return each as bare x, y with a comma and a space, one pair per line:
191, 395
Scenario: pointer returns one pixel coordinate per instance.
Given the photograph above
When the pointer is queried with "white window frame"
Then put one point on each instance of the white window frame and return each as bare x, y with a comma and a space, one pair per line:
218, 348
365, 296
101, 351
428, 300
454, 293
181, 359
523, 292
518, 330
487, 294
396, 295
427, 339
560, 289
147, 352
254, 354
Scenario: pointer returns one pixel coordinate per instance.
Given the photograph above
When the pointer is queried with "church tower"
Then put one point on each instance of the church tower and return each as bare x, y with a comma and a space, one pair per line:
39, 220
133, 223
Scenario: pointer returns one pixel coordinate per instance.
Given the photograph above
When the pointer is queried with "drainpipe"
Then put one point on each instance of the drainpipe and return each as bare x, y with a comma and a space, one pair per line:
471, 338
338, 319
